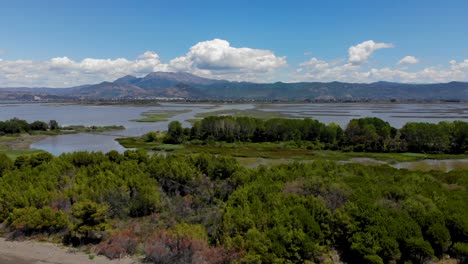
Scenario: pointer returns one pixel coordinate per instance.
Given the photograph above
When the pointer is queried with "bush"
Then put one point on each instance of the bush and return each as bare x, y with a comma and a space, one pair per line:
38, 125
5, 164
164, 247
460, 251
119, 245
31, 220
91, 220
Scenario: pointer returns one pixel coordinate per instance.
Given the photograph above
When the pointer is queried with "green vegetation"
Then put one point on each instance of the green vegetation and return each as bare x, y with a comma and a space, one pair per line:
80, 129
247, 112
207, 208
17, 126
185, 208
17, 135
16, 145
361, 135
306, 139
159, 115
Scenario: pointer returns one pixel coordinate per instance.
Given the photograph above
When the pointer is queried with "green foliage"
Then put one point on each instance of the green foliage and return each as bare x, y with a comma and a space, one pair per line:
426, 137
38, 125
5, 163
53, 125
275, 226
90, 219
209, 204
175, 133
16, 126
188, 230
460, 251
418, 249
368, 134
32, 220
13, 126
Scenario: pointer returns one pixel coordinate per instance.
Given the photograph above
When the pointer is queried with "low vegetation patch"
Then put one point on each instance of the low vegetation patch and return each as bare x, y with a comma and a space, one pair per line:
159, 115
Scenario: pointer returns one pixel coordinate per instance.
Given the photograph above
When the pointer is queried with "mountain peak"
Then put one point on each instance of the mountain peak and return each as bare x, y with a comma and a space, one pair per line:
126, 79
180, 77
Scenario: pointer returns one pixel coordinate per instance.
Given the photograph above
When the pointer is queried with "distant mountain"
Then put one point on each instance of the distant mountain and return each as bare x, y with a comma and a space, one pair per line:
156, 80
110, 90
156, 84
189, 86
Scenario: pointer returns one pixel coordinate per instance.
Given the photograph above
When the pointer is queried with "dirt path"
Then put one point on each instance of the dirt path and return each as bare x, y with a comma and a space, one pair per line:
30, 252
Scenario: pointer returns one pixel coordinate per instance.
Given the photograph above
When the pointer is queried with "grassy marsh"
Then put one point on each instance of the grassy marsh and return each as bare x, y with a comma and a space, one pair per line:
159, 115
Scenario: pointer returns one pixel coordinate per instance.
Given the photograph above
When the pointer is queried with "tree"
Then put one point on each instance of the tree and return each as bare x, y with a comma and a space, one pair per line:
439, 237
38, 125
418, 249
91, 220
368, 134
30, 220
175, 133
53, 125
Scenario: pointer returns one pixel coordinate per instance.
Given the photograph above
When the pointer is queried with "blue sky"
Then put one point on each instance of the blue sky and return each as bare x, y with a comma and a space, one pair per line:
290, 40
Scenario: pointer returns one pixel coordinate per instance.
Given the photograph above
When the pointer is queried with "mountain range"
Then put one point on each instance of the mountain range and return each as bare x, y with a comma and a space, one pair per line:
182, 85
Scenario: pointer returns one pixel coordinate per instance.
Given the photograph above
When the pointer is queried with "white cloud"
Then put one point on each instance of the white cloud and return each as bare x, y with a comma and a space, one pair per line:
63, 71
408, 60
361, 52
214, 58
354, 69
217, 58
319, 70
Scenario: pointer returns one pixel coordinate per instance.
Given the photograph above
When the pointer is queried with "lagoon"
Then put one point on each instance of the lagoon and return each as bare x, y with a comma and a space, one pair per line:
396, 114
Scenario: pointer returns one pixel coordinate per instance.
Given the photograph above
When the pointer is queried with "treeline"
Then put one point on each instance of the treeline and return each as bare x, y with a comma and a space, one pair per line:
208, 209
365, 134
16, 126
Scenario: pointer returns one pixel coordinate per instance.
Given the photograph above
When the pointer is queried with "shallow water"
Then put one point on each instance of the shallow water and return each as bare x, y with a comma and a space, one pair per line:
341, 113
427, 165
420, 165
395, 113
101, 116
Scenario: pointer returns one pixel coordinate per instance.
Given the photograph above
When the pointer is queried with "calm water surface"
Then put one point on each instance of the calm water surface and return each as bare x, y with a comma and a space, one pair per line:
341, 113
100, 116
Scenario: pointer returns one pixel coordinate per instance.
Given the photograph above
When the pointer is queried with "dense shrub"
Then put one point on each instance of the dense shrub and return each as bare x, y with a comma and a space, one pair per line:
31, 220
119, 244
164, 247
208, 208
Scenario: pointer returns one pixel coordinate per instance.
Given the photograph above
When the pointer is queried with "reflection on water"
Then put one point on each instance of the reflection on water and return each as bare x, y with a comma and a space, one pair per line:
341, 113
396, 114
78, 142
121, 115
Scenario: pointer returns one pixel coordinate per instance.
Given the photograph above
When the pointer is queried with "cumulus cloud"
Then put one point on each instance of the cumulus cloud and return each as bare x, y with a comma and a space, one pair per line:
217, 58
408, 60
320, 70
63, 71
355, 70
361, 52
214, 58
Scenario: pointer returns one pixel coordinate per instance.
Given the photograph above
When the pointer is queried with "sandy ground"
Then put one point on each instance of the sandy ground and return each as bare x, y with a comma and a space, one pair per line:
27, 252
